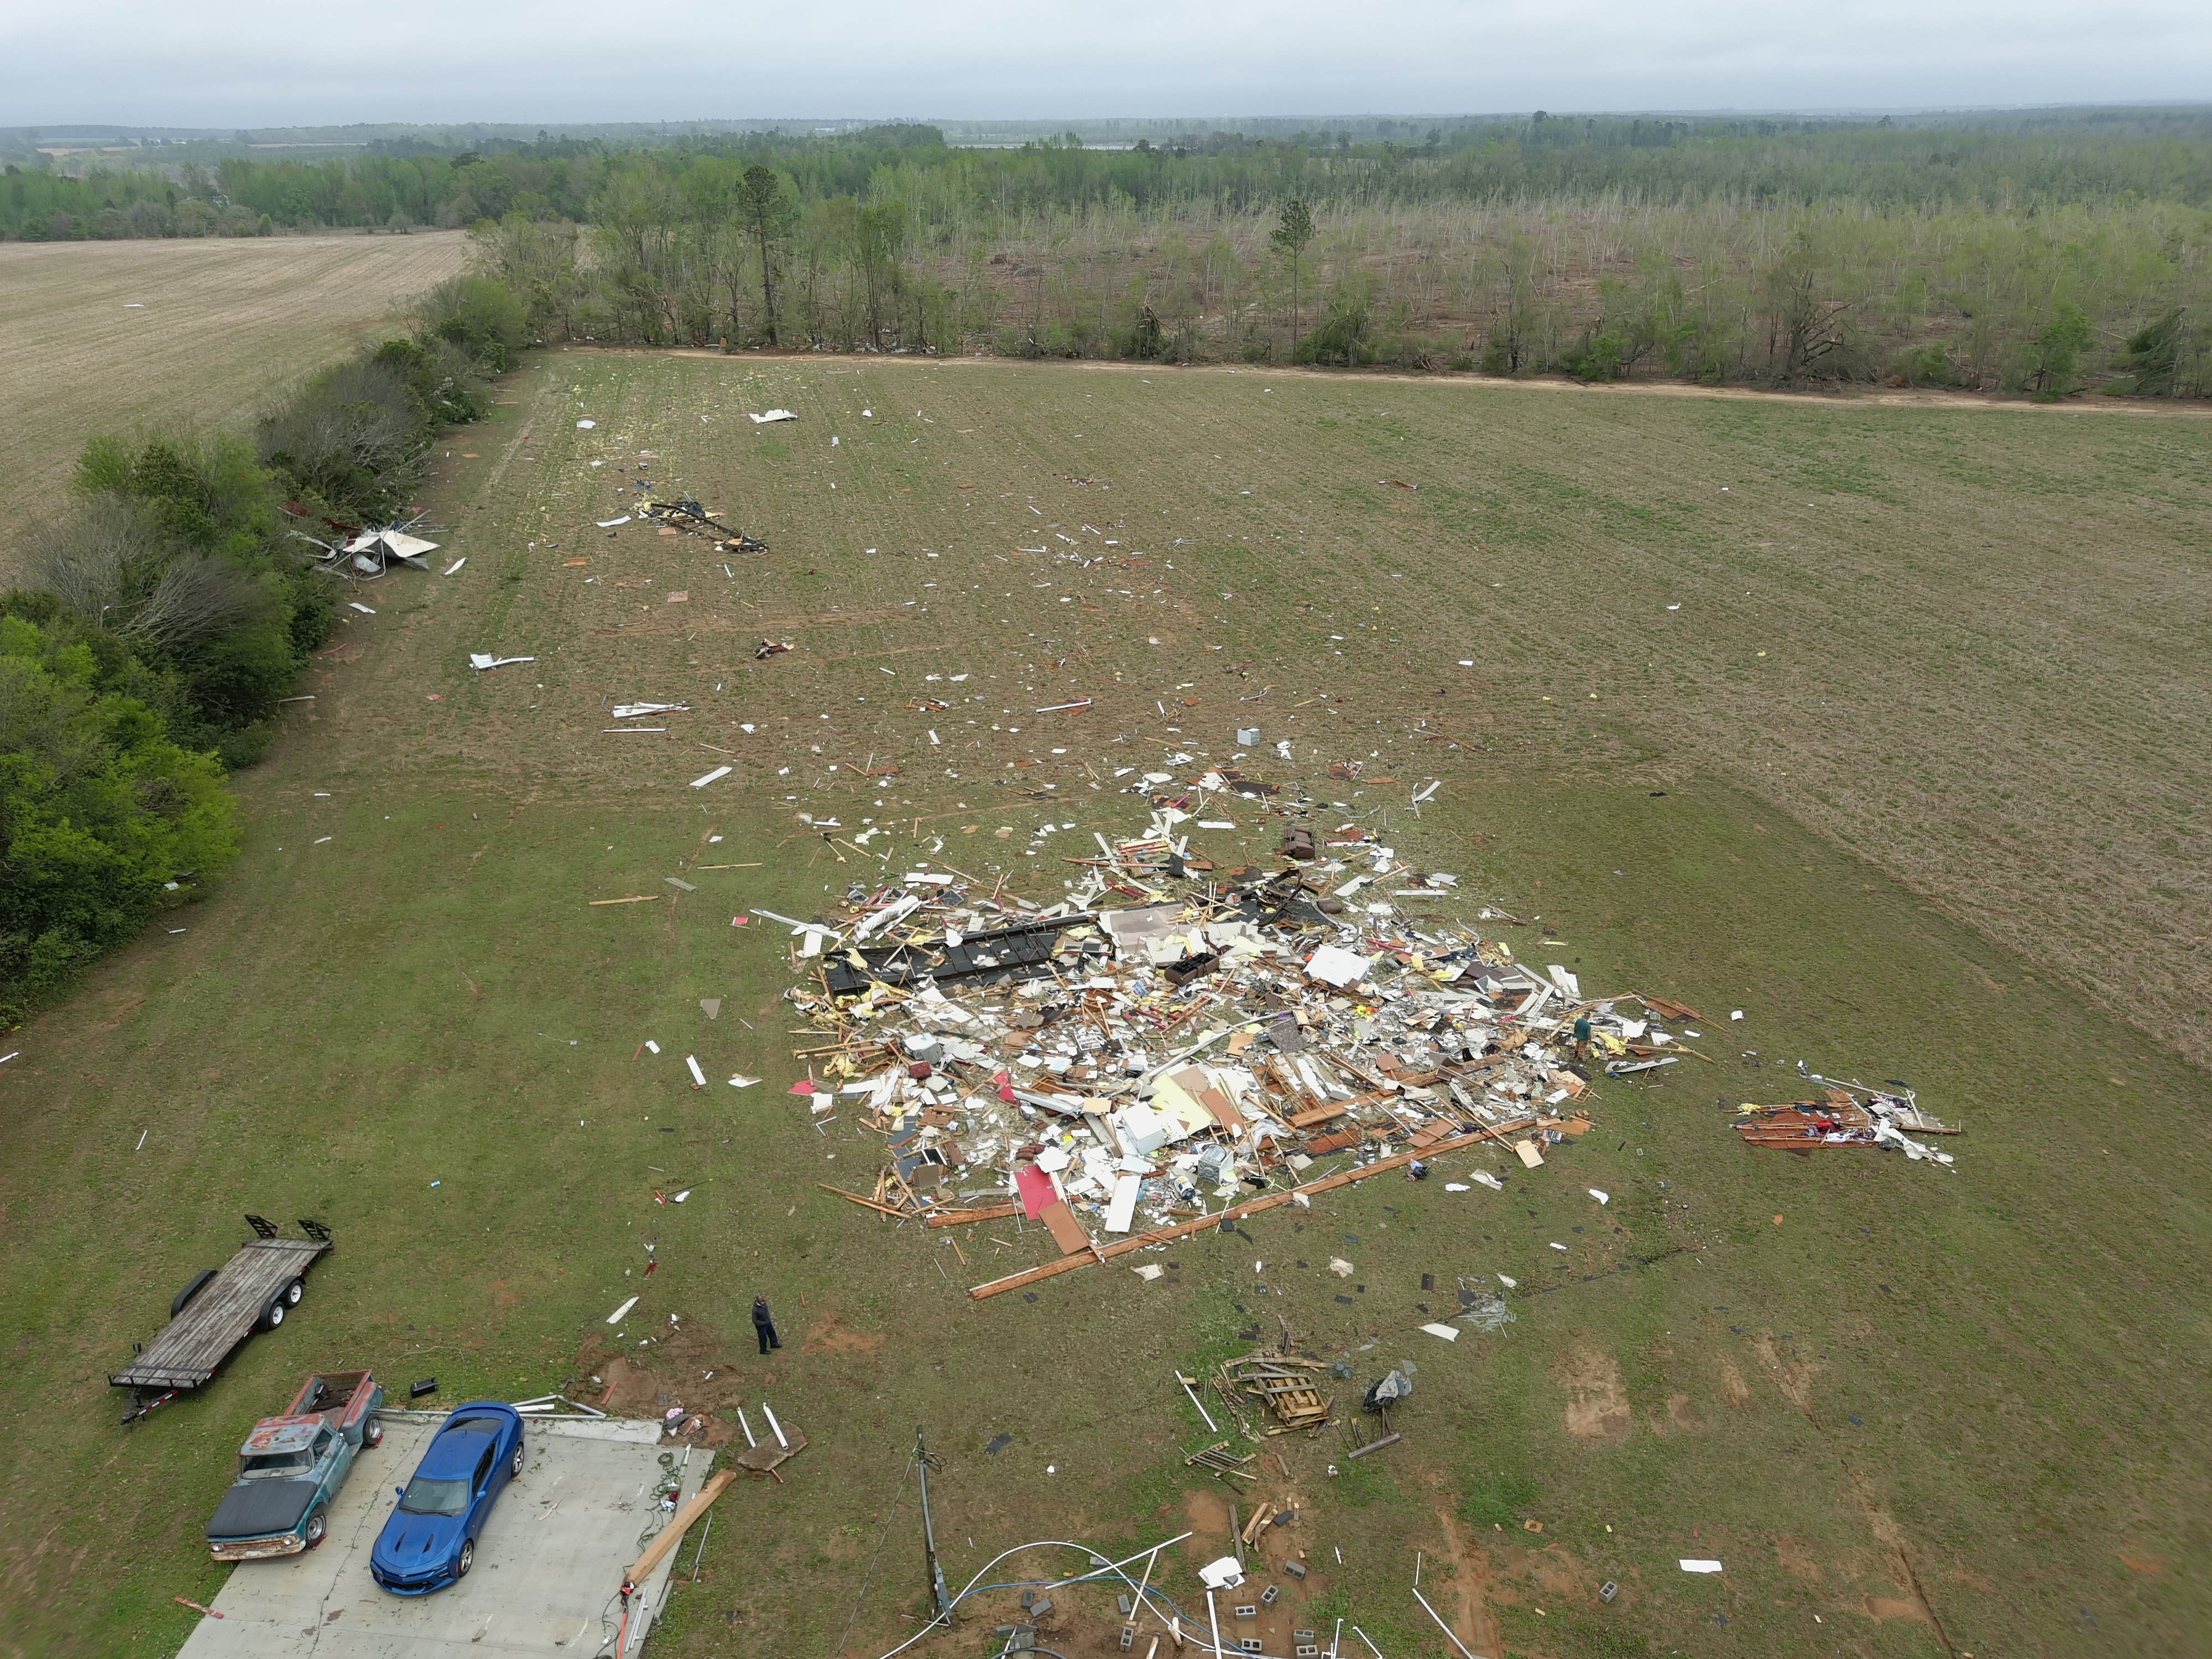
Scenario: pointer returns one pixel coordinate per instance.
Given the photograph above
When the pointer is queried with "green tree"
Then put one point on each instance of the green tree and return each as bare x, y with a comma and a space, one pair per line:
769, 216
2056, 353
100, 813
1291, 235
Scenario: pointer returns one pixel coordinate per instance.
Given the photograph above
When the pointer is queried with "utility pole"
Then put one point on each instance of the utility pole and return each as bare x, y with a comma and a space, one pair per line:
940, 1603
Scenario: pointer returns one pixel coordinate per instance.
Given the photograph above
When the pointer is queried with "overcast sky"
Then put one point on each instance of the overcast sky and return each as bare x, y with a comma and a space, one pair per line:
254, 62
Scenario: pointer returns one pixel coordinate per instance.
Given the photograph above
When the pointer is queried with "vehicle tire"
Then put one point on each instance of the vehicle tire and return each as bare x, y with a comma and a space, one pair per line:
373, 1436
273, 1315
294, 1291
199, 1283
318, 1527
515, 1468
467, 1560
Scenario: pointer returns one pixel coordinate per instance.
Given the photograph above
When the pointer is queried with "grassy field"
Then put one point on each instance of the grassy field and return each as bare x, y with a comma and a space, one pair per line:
94, 334
1915, 1411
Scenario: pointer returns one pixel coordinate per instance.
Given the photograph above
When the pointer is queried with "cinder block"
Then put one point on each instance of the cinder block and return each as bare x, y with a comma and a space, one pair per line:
1129, 1637
1252, 1645
1296, 1569
1268, 1595
1247, 1611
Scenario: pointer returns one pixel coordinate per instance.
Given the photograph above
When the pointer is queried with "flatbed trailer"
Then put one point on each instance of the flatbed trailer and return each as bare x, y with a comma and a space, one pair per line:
218, 1310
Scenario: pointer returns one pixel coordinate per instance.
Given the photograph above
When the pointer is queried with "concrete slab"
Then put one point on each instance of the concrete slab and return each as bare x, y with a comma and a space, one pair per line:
547, 1568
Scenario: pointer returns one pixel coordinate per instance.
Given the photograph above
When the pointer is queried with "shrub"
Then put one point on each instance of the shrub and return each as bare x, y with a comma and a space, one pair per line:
480, 315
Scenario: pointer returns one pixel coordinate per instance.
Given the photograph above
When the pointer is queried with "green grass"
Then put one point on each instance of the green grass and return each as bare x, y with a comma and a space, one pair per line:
1990, 1380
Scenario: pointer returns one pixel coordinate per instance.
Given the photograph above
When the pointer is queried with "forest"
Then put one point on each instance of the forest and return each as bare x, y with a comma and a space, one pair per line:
2041, 253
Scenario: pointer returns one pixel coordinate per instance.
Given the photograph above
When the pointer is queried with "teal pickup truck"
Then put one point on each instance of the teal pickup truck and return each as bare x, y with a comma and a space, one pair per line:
291, 1468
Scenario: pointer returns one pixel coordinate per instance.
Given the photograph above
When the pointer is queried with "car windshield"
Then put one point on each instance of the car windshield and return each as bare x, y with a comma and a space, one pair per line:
427, 1497
253, 1468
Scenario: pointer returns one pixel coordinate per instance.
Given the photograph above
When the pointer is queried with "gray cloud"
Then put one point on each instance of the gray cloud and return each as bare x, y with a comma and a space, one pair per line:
259, 63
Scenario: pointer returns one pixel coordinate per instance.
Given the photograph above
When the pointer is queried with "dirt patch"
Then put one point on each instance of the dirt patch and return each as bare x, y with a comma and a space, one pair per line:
829, 1336
1796, 1559
1558, 1574
1205, 1512
2142, 1561
1891, 1607
1597, 1405
687, 1371
1681, 1414
1472, 1622
1733, 1389
1793, 1376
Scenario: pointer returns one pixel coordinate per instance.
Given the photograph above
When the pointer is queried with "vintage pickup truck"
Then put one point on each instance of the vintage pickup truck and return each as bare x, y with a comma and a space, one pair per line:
291, 1467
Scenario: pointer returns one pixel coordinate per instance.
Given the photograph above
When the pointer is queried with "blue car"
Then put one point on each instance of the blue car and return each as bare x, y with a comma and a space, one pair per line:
430, 1539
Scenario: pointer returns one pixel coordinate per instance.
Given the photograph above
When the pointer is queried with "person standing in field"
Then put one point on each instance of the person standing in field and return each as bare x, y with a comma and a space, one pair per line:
764, 1325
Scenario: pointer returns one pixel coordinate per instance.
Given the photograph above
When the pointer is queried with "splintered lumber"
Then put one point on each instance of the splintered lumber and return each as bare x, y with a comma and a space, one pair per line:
1250, 1206
642, 898
962, 1217
865, 1203
672, 1535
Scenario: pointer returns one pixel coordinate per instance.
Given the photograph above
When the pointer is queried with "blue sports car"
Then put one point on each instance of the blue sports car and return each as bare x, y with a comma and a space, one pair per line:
430, 1539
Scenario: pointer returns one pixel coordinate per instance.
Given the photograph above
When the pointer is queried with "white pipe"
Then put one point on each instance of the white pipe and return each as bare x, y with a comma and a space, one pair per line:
1441, 1626
1114, 1567
746, 1426
1202, 1412
777, 1426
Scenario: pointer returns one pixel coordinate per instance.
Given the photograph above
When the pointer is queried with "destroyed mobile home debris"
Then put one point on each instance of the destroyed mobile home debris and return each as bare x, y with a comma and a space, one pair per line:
1133, 1073
1127, 1075
365, 554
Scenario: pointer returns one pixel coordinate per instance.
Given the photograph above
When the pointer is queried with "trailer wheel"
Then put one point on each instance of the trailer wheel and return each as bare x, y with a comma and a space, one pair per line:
198, 1284
318, 1527
294, 1291
273, 1315
373, 1436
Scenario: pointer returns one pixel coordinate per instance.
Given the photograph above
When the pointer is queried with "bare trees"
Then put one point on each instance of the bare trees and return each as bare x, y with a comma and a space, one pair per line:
109, 562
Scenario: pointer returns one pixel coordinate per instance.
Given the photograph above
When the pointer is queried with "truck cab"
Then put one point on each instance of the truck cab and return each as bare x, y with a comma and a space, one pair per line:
291, 1467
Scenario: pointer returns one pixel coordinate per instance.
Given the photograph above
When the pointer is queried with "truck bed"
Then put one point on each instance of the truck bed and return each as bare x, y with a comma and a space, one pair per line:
197, 1340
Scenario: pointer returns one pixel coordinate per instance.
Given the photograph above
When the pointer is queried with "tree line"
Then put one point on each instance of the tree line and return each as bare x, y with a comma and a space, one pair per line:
2038, 253
174, 599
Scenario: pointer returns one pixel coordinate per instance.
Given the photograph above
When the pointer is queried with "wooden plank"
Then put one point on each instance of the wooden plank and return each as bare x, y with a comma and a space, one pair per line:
672, 1535
1251, 1206
1067, 1231
864, 1203
962, 1217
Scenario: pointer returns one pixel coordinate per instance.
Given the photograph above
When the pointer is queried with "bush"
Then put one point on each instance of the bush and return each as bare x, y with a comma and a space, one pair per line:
480, 315
100, 811
350, 441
